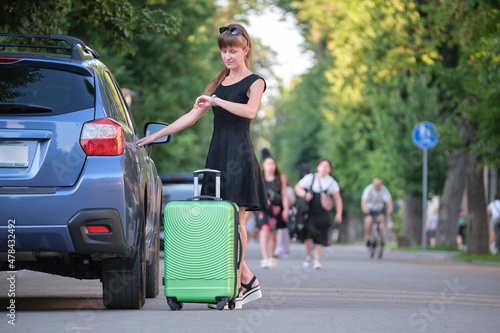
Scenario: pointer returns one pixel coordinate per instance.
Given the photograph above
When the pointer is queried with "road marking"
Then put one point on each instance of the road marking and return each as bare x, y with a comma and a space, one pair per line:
395, 296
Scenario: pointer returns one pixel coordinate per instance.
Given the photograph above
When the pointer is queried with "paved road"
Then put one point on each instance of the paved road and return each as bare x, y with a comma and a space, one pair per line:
403, 292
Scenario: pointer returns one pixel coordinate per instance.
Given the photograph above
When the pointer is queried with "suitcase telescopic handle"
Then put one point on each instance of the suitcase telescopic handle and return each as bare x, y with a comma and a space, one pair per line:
240, 250
217, 181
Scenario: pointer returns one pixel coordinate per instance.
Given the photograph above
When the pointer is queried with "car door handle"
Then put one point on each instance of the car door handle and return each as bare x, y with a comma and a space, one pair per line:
146, 157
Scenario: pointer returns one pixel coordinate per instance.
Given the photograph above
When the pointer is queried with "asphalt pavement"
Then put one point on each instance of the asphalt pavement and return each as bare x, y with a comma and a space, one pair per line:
422, 291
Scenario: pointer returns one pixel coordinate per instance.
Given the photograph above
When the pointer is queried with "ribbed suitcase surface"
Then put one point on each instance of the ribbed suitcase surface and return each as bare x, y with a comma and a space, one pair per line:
200, 250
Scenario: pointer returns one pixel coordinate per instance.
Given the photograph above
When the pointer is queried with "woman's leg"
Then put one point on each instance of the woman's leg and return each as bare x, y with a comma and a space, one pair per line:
264, 242
264, 246
245, 273
272, 243
309, 244
279, 251
272, 248
317, 251
318, 248
285, 242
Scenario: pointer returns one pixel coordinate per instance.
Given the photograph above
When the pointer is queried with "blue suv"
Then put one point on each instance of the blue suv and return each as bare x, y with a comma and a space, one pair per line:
77, 197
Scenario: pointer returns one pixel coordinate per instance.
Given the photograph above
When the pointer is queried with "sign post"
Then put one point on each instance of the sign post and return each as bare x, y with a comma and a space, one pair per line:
424, 136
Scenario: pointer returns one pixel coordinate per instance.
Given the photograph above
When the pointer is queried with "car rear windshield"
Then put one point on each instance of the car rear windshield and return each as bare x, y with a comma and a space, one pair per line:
26, 90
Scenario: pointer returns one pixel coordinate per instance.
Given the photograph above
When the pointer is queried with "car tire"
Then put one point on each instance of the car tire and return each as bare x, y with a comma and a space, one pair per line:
126, 289
152, 270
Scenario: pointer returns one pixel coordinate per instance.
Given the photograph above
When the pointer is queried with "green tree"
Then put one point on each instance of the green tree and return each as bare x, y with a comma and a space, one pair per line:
111, 21
378, 90
296, 134
168, 72
465, 38
165, 52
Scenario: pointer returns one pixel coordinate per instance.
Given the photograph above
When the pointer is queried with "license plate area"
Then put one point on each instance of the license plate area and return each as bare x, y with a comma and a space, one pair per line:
14, 156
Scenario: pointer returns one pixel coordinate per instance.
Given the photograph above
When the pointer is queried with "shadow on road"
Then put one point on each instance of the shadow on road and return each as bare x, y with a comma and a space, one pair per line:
55, 303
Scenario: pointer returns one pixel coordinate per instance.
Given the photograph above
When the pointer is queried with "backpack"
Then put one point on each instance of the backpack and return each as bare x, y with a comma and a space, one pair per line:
298, 218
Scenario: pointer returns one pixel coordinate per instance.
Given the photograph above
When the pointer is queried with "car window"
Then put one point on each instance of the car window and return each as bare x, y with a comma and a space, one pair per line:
123, 103
120, 104
59, 90
107, 99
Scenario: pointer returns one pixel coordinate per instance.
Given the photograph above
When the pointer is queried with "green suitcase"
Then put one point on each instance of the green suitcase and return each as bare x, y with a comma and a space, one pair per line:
202, 249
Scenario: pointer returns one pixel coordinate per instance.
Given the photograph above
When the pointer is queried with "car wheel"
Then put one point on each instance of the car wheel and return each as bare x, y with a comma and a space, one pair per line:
126, 289
152, 270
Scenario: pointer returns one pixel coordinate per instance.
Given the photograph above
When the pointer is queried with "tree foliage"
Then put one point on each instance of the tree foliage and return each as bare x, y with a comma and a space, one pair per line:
298, 123
164, 51
394, 64
116, 22
373, 94
381, 67
168, 72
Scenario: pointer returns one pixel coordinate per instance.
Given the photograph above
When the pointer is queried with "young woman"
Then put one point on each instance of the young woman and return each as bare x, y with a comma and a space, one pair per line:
318, 224
235, 96
275, 217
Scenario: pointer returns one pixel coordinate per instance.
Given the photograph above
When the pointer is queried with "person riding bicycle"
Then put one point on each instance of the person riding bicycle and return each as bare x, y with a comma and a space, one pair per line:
373, 201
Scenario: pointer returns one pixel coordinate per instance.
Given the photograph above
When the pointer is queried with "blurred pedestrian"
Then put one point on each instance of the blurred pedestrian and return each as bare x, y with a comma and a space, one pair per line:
275, 217
462, 226
431, 227
283, 234
251, 225
318, 224
494, 217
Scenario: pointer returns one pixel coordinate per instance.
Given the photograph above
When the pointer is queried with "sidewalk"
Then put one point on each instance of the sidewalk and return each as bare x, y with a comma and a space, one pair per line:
356, 251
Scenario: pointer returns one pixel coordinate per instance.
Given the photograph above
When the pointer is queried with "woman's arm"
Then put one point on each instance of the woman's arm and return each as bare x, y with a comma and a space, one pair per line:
248, 110
284, 197
338, 207
301, 192
183, 122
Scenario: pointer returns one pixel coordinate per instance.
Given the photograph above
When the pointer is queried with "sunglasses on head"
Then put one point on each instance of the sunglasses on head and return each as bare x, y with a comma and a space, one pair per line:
232, 31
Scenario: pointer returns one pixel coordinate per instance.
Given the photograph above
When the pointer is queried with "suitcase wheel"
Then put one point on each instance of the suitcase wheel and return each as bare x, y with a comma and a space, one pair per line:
231, 305
174, 304
222, 303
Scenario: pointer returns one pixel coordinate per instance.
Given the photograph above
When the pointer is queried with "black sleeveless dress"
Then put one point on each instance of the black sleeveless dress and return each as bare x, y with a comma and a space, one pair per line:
318, 225
231, 152
272, 216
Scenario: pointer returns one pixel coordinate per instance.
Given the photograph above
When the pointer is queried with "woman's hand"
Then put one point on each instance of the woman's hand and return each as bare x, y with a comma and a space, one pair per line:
144, 141
203, 101
338, 218
201, 106
308, 197
284, 215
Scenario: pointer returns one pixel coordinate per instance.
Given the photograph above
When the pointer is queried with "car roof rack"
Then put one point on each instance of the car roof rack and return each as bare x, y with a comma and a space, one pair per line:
79, 51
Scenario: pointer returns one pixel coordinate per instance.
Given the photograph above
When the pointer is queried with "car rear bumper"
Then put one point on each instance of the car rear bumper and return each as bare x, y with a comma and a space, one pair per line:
55, 222
74, 238
91, 243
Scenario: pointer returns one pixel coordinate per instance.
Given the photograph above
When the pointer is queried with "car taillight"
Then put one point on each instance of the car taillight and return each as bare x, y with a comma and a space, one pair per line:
8, 59
102, 137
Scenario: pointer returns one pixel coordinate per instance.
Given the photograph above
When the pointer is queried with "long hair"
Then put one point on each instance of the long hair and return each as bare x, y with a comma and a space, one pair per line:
230, 40
277, 173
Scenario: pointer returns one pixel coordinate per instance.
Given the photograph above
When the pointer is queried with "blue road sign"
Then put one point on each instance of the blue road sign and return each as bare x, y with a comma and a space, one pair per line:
425, 135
